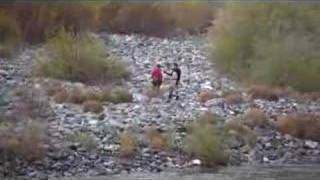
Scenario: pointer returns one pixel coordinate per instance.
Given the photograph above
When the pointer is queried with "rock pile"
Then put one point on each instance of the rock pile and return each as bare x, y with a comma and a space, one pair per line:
68, 158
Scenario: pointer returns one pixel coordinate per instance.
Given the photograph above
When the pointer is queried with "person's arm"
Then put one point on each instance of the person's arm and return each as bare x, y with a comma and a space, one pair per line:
170, 74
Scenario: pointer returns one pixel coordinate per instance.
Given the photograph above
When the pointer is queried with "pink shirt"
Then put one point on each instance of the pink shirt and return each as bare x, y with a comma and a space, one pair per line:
156, 73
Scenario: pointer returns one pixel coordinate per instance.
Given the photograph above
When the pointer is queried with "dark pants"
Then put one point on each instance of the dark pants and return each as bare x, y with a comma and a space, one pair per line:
173, 90
156, 83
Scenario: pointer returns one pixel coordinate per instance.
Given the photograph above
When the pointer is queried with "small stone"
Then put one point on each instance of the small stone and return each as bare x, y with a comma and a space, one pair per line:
196, 162
311, 144
265, 159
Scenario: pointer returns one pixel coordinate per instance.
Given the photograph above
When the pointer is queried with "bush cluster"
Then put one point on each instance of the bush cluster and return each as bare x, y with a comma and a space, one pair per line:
78, 57
300, 125
158, 19
269, 43
37, 21
207, 141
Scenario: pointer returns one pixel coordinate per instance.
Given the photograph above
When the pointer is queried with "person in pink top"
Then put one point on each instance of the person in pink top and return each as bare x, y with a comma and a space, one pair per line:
157, 77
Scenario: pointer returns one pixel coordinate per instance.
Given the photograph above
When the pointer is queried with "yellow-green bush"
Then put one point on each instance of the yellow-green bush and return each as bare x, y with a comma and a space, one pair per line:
84, 139
273, 44
206, 141
80, 57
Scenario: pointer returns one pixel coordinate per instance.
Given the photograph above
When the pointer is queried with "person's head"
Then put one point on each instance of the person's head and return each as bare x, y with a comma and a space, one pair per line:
175, 65
158, 65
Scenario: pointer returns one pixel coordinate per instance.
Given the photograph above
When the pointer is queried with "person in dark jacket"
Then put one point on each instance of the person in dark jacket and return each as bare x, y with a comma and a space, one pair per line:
175, 73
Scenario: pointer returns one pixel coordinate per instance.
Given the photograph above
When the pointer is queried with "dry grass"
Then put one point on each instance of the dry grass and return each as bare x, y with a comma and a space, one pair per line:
234, 98
264, 92
61, 96
25, 142
305, 126
157, 19
52, 90
31, 103
151, 92
255, 118
10, 35
128, 144
305, 97
237, 128
77, 96
117, 95
36, 20
156, 139
92, 106
206, 95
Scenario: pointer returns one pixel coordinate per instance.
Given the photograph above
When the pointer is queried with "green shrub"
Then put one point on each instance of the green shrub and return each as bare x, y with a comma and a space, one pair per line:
84, 139
272, 44
78, 58
206, 141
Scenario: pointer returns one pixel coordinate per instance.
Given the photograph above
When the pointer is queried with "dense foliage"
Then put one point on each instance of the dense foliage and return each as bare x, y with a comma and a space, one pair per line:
274, 44
78, 57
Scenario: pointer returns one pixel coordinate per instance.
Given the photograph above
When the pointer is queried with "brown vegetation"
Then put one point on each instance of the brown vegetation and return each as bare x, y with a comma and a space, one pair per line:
206, 95
300, 125
22, 129
37, 21
264, 92
10, 35
77, 96
92, 106
157, 19
255, 118
156, 139
61, 96
31, 104
117, 95
234, 98
128, 144
26, 143
240, 130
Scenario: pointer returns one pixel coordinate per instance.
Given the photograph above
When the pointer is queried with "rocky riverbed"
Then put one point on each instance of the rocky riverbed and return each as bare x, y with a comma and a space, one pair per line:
141, 53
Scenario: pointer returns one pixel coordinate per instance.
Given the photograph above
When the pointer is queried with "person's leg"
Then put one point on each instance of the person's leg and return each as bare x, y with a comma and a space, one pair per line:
177, 92
159, 82
171, 89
